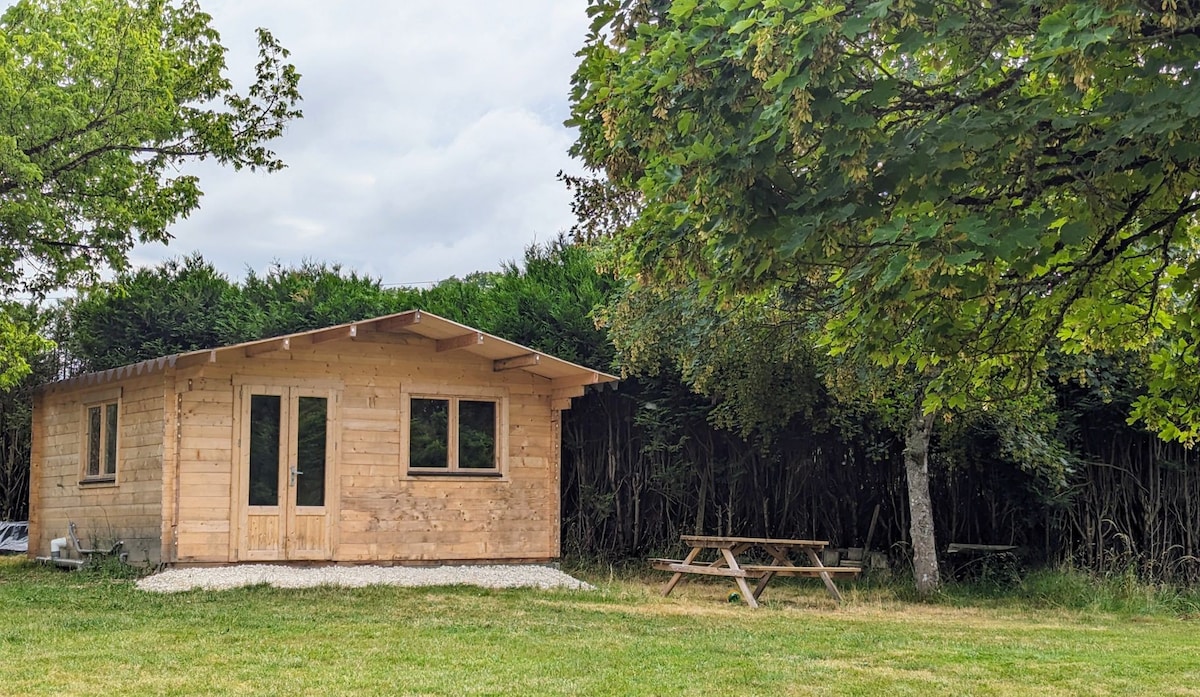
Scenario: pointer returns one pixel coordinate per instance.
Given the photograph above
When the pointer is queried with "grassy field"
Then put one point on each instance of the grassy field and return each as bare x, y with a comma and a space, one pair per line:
90, 634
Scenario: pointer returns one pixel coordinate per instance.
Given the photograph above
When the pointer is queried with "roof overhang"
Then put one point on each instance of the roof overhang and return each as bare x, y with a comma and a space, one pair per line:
566, 378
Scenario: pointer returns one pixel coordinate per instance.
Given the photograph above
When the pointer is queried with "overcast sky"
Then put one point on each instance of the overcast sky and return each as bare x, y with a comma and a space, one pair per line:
431, 136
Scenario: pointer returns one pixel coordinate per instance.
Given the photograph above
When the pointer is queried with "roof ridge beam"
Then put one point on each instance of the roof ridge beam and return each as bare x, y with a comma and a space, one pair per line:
397, 323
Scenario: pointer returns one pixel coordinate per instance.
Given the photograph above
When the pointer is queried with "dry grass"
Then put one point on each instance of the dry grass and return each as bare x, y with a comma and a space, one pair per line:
79, 634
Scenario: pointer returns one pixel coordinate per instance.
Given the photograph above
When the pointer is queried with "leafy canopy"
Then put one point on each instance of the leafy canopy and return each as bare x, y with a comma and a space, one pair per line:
958, 185
101, 103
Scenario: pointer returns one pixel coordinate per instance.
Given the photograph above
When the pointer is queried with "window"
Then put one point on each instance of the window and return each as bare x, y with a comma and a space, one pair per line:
453, 435
100, 440
265, 424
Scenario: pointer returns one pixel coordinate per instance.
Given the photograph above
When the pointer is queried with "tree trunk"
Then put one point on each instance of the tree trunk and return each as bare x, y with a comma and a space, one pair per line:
916, 467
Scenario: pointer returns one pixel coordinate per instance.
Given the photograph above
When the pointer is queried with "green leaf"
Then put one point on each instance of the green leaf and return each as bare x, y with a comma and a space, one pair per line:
743, 25
962, 258
682, 9
761, 267
1074, 233
853, 26
684, 122
892, 272
888, 232
821, 13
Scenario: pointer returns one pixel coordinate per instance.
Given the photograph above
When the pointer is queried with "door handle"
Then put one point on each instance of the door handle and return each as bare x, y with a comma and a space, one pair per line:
294, 471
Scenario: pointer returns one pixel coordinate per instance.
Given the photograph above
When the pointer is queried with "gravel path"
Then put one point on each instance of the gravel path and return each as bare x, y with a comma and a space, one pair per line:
498, 576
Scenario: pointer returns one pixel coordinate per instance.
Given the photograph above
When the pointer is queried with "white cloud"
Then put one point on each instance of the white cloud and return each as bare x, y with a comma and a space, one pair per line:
429, 147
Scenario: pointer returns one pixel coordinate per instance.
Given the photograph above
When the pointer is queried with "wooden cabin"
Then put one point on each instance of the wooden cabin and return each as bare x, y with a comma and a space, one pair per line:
402, 439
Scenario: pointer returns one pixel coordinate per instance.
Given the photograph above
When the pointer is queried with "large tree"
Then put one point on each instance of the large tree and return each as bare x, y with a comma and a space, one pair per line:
956, 186
101, 103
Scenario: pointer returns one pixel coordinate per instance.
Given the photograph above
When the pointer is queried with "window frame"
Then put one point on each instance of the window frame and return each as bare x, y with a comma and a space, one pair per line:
497, 396
102, 400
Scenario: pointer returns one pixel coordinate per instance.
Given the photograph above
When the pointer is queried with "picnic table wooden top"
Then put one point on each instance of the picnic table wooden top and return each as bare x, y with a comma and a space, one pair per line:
718, 541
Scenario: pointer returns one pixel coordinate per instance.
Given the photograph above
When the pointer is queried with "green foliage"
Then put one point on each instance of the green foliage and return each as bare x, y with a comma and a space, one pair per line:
104, 101
962, 188
180, 305
462, 300
549, 303
19, 342
1172, 402
111, 568
758, 364
1121, 594
315, 295
600, 207
16, 408
546, 303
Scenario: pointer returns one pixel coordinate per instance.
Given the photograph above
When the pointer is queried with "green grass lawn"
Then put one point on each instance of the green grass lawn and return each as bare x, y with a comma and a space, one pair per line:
88, 634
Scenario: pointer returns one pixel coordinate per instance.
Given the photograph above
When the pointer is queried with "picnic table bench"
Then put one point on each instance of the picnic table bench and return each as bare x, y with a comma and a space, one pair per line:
727, 564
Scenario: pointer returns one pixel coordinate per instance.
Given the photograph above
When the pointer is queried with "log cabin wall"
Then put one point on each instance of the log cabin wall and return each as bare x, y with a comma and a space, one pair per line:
378, 509
199, 514
125, 504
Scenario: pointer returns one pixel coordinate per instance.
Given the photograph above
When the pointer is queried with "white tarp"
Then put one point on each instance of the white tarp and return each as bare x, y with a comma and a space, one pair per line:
14, 537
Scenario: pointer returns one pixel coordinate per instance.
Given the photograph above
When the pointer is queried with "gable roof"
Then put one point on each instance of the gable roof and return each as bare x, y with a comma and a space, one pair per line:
449, 335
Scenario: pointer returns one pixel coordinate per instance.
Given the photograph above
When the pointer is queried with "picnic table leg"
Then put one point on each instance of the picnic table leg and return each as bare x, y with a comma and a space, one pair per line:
747, 594
691, 557
816, 561
781, 558
762, 583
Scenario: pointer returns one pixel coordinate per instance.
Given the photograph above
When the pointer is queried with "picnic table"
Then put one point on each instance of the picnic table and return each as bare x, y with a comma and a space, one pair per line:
731, 562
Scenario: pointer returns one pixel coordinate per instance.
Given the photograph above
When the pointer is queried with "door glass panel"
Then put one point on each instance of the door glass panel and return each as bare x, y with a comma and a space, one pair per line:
264, 449
476, 434
428, 432
310, 451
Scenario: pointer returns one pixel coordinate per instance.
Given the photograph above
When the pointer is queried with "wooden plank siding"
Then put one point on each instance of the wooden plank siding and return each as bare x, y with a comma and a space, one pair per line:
205, 455
381, 513
178, 497
129, 509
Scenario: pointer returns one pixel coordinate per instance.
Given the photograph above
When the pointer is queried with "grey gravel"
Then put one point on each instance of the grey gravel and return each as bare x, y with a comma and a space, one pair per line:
495, 576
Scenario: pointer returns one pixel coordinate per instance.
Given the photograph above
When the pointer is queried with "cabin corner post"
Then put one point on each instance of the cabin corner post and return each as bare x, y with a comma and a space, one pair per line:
35, 476
333, 522
556, 483
172, 413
